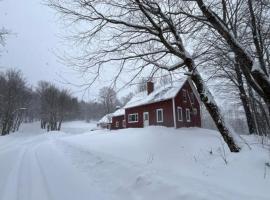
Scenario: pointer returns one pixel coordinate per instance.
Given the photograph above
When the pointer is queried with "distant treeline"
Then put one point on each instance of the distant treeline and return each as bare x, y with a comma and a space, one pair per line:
47, 103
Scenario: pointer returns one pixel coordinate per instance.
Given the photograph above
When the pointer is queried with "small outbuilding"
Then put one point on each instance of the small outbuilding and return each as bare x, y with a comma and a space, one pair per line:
118, 119
105, 121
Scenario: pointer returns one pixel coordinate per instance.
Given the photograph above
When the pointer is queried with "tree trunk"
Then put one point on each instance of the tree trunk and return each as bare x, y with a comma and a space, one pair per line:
244, 99
59, 125
255, 76
212, 107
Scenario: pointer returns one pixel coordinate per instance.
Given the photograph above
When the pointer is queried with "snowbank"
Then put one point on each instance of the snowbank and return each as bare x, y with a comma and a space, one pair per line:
151, 163
188, 156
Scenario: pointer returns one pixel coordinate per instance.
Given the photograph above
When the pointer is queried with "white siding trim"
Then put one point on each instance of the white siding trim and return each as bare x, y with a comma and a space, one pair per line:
188, 116
174, 117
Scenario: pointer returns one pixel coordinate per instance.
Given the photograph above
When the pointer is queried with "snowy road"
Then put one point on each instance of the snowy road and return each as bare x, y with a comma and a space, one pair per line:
39, 171
57, 166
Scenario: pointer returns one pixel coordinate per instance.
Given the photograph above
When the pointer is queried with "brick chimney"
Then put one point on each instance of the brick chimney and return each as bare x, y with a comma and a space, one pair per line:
150, 87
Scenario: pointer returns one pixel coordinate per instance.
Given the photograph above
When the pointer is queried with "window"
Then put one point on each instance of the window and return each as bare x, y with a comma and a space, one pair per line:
159, 113
187, 114
184, 95
194, 111
132, 118
117, 124
179, 114
124, 123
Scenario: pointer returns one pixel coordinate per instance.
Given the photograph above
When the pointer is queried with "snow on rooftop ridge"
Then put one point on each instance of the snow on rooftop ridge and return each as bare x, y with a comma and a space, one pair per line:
106, 119
119, 112
168, 91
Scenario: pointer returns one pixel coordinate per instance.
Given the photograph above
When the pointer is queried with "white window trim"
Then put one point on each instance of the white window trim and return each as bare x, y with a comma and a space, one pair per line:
117, 124
178, 109
174, 114
157, 110
188, 111
133, 121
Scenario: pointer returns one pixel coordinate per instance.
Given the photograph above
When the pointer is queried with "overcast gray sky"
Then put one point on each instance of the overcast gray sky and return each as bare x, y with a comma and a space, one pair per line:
36, 36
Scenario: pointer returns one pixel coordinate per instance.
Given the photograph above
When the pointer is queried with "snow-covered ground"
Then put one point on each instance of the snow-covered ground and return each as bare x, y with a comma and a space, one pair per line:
151, 163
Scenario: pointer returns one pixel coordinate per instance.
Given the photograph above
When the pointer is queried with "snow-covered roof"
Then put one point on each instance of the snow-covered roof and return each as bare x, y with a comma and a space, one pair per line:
165, 92
106, 119
119, 112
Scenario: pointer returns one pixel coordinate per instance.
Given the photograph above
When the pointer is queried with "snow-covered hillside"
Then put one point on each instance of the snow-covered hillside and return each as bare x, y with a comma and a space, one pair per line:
151, 163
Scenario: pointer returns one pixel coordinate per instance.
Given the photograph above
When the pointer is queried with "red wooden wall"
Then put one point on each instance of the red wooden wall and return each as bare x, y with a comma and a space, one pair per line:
179, 102
151, 108
120, 120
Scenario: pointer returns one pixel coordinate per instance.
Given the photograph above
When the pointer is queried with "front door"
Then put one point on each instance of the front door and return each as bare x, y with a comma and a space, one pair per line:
146, 119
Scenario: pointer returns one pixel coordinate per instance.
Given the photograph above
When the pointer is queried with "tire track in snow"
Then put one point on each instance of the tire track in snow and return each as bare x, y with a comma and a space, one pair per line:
17, 143
66, 181
44, 180
12, 181
27, 175
21, 173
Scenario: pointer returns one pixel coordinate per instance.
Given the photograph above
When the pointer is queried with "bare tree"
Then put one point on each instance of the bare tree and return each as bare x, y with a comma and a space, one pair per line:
56, 106
65, 104
143, 32
109, 100
229, 20
33, 112
251, 63
222, 64
13, 100
49, 95
126, 98
91, 110
3, 34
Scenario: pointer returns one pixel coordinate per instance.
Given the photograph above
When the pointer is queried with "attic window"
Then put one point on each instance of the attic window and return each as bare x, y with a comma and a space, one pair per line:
159, 113
132, 118
184, 95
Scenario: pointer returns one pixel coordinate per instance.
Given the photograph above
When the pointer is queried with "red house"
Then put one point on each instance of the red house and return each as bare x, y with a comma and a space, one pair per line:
118, 119
174, 105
